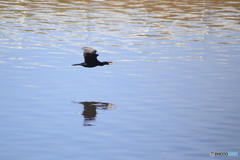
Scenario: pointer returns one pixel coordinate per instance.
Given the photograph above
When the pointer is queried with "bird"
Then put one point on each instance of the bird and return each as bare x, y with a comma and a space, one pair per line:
90, 59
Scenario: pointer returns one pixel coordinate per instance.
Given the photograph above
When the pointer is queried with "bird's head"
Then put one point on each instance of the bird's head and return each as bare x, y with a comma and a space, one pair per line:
107, 63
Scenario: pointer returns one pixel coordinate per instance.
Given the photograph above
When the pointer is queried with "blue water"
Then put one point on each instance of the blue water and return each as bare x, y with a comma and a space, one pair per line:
173, 92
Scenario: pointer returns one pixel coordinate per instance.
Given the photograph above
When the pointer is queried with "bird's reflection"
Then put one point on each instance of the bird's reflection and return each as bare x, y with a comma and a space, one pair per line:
90, 110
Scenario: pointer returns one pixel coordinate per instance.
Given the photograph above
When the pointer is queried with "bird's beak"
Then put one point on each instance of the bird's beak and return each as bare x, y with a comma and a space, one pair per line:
110, 63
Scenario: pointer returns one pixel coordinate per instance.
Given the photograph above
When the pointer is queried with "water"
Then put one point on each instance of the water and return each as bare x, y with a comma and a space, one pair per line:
173, 92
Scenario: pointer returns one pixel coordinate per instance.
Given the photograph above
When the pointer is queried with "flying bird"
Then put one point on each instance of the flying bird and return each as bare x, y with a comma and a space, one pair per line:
90, 59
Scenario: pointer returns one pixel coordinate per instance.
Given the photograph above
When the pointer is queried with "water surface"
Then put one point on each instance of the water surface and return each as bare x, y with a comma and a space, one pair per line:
173, 92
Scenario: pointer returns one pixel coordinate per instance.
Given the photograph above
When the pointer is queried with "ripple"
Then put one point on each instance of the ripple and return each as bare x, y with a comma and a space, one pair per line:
24, 67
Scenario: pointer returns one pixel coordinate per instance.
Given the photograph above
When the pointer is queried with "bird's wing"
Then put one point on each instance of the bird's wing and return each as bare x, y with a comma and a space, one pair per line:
89, 50
90, 55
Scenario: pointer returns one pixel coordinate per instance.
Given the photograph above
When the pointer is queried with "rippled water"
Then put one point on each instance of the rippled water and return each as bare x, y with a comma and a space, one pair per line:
173, 92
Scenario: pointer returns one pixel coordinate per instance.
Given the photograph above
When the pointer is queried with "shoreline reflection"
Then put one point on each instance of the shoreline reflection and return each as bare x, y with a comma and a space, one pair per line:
90, 110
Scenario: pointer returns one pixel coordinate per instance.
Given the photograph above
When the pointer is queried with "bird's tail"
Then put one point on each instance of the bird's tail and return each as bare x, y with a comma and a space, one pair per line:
76, 64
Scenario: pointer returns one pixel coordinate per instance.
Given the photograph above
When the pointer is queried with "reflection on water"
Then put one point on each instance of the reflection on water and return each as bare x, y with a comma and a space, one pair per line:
131, 25
90, 110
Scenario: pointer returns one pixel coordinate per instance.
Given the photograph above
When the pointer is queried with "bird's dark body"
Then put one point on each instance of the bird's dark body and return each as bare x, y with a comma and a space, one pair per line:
90, 59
